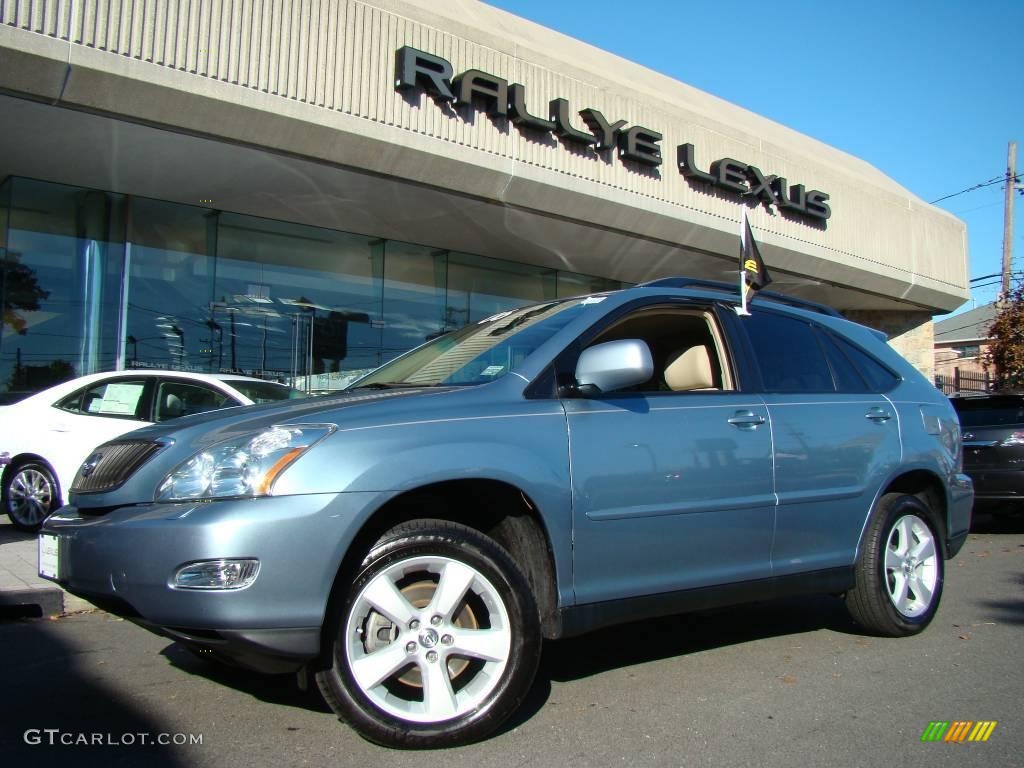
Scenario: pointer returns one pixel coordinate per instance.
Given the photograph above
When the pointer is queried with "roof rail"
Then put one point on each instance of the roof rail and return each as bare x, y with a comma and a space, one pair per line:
732, 288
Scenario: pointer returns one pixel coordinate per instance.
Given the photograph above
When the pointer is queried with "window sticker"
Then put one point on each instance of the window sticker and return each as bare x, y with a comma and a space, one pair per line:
119, 400
492, 370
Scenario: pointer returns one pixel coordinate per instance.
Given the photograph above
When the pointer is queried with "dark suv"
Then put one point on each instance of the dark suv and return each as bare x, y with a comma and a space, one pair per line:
540, 473
993, 435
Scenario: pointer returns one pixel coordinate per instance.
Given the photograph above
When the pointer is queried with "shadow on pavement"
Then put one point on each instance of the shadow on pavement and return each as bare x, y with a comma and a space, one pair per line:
576, 658
996, 519
9, 534
273, 689
47, 686
1008, 611
646, 641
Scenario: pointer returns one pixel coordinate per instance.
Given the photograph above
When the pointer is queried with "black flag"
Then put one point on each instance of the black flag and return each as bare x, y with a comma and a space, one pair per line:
753, 273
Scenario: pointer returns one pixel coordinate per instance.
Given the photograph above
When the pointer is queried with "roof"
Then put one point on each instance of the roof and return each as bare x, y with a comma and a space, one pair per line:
967, 326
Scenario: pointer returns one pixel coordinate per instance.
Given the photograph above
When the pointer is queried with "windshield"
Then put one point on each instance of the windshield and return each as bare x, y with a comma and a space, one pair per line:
264, 391
481, 352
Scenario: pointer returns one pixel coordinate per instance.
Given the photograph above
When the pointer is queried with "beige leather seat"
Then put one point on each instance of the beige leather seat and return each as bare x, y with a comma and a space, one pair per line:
690, 370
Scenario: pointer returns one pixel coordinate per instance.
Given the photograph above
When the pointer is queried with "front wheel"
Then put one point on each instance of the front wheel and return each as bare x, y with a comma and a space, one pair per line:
900, 569
437, 640
30, 494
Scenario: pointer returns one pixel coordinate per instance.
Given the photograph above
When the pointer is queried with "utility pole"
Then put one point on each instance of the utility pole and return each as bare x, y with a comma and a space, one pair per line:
1011, 187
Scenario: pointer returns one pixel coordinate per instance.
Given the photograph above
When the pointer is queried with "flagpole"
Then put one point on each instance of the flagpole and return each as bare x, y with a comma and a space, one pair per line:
742, 311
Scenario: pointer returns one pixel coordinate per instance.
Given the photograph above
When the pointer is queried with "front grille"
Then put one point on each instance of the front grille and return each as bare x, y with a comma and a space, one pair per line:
111, 464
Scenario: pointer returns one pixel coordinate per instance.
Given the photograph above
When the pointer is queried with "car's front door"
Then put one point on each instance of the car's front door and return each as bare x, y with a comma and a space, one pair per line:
672, 488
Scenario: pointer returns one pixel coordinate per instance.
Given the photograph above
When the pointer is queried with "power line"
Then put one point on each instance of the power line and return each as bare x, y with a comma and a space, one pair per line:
995, 180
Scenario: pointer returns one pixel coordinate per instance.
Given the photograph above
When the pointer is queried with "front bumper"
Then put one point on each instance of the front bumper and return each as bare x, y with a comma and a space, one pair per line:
124, 562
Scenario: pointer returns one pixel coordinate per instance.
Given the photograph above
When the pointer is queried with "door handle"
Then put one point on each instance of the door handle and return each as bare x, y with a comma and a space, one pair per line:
746, 420
878, 415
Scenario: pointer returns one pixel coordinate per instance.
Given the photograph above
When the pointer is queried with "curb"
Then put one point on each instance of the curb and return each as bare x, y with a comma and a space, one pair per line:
49, 601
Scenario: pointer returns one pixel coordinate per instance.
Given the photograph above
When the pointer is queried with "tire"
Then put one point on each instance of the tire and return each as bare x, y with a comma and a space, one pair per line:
435, 643
900, 570
30, 493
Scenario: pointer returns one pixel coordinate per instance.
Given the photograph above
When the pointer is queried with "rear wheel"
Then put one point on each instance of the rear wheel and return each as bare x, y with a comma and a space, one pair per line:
30, 494
900, 569
437, 640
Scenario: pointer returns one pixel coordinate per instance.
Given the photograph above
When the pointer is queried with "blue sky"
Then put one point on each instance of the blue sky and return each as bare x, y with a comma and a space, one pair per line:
929, 92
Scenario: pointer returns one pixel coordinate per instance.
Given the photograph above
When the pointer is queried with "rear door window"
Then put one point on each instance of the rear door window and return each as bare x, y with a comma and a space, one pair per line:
879, 378
182, 398
788, 354
848, 377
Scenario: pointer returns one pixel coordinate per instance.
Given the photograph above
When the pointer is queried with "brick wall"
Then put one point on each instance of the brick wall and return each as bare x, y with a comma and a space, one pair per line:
911, 334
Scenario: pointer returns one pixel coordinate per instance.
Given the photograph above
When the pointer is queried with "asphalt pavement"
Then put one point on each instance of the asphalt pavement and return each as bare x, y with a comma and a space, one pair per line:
789, 683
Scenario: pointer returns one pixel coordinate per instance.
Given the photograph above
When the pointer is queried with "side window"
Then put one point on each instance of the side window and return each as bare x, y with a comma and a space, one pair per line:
179, 398
118, 398
788, 354
880, 378
848, 378
686, 347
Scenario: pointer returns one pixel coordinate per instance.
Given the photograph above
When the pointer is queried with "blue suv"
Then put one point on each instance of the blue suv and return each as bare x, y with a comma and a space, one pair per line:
539, 474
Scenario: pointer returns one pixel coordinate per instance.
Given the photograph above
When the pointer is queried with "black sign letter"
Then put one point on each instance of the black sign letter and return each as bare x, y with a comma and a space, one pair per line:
493, 90
605, 131
792, 198
414, 68
816, 205
520, 115
730, 174
688, 166
559, 111
640, 145
761, 188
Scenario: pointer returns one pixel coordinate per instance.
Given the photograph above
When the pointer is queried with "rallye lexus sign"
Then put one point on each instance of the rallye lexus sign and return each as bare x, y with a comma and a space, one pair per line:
473, 89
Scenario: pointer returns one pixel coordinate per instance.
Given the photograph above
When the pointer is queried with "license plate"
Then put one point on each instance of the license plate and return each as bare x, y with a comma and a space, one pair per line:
49, 558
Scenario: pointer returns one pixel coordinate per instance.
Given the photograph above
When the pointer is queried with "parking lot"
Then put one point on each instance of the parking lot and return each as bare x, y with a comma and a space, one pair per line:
786, 683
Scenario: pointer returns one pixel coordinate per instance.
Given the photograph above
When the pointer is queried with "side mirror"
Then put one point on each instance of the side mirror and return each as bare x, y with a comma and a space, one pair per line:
613, 365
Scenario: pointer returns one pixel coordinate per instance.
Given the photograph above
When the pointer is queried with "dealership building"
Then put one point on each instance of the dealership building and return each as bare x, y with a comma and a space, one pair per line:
303, 190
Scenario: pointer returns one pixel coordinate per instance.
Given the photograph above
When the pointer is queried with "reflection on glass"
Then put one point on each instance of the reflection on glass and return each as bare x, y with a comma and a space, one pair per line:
479, 287
414, 297
188, 288
60, 283
297, 303
478, 353
169, 287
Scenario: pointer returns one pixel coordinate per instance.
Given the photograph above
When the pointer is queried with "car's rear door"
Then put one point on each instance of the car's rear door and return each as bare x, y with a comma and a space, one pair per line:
836, 438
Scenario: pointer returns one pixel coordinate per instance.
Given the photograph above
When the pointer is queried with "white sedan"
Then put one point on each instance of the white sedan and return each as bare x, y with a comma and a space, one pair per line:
46, 437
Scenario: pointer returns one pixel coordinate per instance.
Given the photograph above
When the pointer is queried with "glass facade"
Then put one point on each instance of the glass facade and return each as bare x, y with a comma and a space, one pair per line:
95, 281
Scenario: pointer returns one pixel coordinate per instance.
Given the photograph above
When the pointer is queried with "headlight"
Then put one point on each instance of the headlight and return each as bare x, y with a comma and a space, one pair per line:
246, 466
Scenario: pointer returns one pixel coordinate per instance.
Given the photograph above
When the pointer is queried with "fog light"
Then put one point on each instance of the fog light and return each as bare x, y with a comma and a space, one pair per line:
216, 574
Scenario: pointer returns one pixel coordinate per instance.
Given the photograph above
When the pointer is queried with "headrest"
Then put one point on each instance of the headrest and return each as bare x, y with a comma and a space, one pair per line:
690, 370
172, 406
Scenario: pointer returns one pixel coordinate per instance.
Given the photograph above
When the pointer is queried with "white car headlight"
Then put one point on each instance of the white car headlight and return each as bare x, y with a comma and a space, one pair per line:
245, 466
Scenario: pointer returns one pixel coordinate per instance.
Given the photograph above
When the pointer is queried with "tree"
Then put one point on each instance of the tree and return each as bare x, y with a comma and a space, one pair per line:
20, 292
1006, 348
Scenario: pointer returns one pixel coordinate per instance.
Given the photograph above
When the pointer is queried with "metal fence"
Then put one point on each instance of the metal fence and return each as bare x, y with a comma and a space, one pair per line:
964, 381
